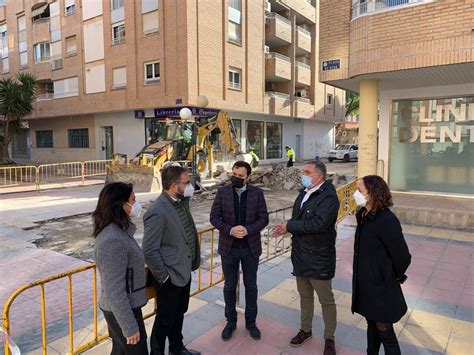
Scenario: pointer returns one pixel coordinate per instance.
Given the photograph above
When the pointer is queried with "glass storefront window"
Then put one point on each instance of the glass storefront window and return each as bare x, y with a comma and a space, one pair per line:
255, 137
274, 140
238, 130
432, 145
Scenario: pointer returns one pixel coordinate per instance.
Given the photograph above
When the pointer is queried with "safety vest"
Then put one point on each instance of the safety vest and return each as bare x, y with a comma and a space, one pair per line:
253, 155
291, 154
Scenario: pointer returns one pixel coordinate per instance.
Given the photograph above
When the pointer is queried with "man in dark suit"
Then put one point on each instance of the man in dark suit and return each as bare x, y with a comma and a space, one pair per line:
239, 212
313, 251
172, 251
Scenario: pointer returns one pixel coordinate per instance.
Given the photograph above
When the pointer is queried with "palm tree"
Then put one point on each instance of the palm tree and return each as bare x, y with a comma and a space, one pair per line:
16, 102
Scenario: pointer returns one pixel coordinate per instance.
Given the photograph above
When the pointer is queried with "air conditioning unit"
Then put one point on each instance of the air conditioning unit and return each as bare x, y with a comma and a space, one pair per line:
302, 93
266, 49
268, 7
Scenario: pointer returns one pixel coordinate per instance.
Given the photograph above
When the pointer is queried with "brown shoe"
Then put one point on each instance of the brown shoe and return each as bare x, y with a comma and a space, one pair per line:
301, 338
329, 347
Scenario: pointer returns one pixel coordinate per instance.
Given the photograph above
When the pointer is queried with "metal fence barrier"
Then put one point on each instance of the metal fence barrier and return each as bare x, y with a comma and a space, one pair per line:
207, 275
13, 176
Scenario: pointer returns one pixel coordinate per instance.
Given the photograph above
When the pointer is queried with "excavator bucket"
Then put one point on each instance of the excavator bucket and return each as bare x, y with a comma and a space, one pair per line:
143, 177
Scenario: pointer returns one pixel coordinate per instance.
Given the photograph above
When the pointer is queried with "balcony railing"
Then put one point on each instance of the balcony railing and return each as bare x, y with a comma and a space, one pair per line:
278, 17
277, 95
365, 7
45, 97
303, 65
274, 55
303, 30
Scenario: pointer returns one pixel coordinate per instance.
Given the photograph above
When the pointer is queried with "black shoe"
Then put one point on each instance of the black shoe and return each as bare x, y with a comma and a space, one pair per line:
301, 338
228, 330
254, 332
185, 351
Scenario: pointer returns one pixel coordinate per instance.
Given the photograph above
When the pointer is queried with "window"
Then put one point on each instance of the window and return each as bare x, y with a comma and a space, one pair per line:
117, 4
150, 23
274, 138
22, 45
152, 73
255, 137
235, 21
5, 65
78, 138
66, 88
238, 130
44, 139
42, 52
329, 100
119, 77
431, 146
235, 78
118, 33
4, 40
69, 7
71, 46
40, 12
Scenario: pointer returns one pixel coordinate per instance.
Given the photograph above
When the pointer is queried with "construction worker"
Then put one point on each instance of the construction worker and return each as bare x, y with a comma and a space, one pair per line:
291, 156
255, 159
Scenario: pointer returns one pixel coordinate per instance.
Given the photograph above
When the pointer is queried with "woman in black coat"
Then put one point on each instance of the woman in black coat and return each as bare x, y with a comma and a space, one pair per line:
381, 258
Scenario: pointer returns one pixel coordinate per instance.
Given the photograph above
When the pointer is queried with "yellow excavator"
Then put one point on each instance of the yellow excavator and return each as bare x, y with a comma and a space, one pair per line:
188, 143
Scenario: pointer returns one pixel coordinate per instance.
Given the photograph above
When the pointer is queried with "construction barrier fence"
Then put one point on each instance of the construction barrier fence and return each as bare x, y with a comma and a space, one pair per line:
12, 176
208, 275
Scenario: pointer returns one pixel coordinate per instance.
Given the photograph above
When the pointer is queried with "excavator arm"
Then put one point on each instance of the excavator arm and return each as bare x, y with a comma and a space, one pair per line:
227, 129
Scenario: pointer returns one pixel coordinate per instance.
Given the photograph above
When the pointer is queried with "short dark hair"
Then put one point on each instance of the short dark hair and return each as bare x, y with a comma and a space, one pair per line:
110, 207
243, 164
379, 192
286, 147
171, 174
319, 166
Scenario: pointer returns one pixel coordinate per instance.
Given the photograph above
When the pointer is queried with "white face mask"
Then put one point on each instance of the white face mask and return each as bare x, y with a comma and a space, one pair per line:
136, 209
189, 190
360, 199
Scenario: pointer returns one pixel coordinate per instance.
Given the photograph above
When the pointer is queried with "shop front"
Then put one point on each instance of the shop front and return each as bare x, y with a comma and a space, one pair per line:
432, 145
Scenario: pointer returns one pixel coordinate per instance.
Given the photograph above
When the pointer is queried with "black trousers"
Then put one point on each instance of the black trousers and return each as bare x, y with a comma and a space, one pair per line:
290, 163
230, 267
119, 342
173, 302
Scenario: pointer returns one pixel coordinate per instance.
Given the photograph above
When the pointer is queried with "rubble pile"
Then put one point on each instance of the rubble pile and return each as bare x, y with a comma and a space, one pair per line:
278, 177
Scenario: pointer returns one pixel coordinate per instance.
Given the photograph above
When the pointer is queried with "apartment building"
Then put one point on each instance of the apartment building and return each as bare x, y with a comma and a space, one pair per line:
111, 70
412, 61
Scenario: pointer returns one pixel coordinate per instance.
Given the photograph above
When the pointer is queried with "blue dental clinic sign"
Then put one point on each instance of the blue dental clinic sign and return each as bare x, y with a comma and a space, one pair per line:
332, 64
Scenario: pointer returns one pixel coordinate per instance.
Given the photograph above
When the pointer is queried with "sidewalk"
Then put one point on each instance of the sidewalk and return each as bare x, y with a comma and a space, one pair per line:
439, 292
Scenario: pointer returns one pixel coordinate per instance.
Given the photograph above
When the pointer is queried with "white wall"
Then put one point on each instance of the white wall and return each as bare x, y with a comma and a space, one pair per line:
318, 139
128, 132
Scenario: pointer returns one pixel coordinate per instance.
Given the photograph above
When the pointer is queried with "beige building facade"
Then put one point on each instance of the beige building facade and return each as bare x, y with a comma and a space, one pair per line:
412, 61
110, 69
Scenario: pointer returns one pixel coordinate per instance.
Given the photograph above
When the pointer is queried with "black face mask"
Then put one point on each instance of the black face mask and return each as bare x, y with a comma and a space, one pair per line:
237, 182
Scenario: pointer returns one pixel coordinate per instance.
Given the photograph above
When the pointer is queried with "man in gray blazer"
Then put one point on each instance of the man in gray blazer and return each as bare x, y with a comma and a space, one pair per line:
171, 248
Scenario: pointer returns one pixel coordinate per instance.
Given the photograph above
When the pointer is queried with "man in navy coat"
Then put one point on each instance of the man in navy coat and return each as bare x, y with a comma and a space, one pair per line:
239, 212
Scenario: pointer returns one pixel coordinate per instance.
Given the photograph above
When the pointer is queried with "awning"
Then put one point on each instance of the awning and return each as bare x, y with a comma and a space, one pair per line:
39, 10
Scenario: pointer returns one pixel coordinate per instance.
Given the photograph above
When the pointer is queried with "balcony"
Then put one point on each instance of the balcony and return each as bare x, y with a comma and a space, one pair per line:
277, 68
367, 7
303, 108
303, 74
305, 10
277, 103
303, 41
277, 30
